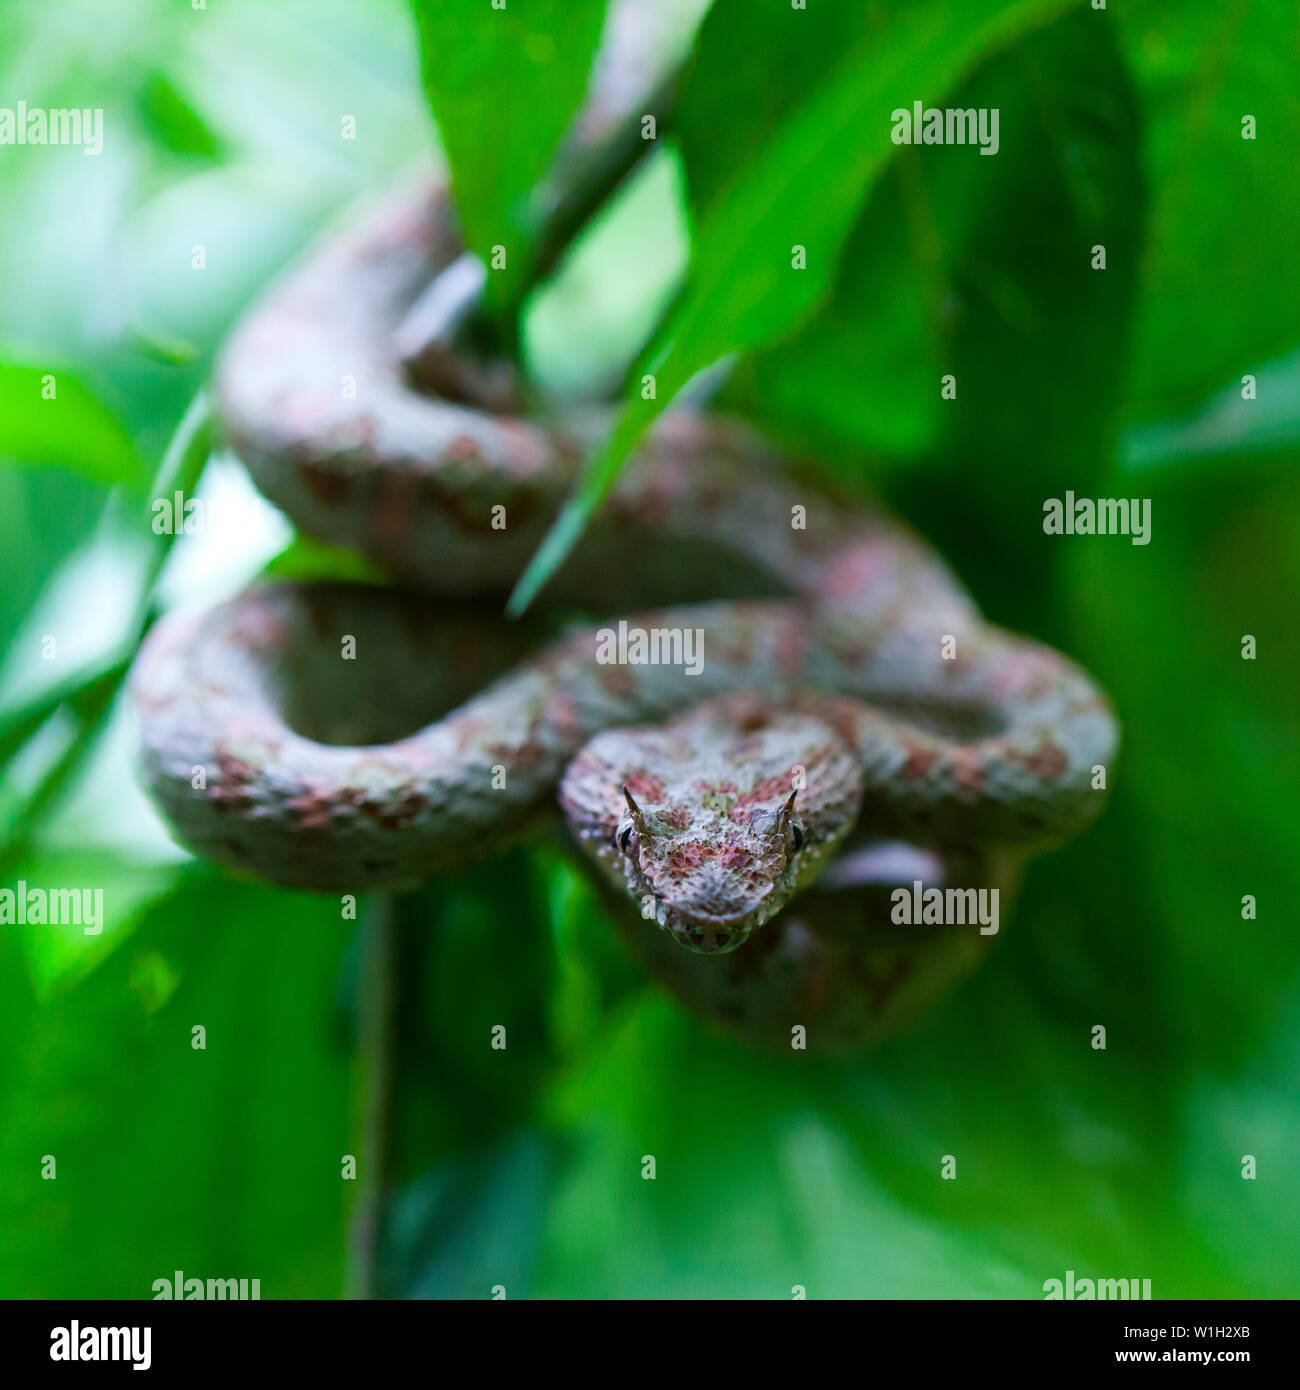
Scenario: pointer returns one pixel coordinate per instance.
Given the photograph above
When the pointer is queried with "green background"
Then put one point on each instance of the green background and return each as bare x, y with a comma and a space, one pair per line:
1123, 127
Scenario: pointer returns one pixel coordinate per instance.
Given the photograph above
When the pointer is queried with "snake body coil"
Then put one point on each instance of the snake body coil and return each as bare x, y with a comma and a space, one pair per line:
867, 714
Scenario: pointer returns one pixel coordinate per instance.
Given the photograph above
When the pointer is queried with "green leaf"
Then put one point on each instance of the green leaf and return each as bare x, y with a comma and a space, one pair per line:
799, 184
172, 121
116, 891
1214, 294
473, 1223
982, 268
47, 417
307, 558
153, 1136
163, 346
1221, 823
1248, 430
504, 86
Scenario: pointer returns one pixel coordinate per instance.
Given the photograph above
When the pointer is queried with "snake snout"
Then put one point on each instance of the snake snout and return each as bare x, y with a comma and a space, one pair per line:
711, 910
712, 931
710, 939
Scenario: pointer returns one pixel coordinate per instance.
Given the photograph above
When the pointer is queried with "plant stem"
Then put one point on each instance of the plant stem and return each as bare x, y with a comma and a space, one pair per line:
586, 181
587, 175
376, 1036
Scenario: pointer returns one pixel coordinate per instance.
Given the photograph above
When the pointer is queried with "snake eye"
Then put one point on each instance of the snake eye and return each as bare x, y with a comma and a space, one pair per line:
623, 835
796, 834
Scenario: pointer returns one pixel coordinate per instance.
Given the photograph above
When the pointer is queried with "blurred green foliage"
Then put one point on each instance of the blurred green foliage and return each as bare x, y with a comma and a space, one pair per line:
225, 128
540, 54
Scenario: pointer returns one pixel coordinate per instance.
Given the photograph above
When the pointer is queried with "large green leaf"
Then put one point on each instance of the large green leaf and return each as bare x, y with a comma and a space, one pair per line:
47, 417
57, 954
152, 1137
1252, 424
982, 268
472, 1226
1217, 292
504, 85
796, 182
173, 122
1213, 776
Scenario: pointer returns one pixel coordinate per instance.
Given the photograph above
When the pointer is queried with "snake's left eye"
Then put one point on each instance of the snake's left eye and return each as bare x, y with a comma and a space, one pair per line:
796, 835
623, 835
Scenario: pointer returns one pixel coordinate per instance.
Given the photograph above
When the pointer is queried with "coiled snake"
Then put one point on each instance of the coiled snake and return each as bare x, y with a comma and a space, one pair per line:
843, 684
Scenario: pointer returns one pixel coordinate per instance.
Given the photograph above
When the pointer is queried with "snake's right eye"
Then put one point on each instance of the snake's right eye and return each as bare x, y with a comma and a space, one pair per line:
623, 835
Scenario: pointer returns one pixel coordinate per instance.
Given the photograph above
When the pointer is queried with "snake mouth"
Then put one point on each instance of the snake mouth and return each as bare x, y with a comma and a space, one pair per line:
708, 938
700, 930
705, 933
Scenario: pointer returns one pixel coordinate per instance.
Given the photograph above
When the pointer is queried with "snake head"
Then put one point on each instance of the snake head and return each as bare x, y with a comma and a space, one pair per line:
711, 823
